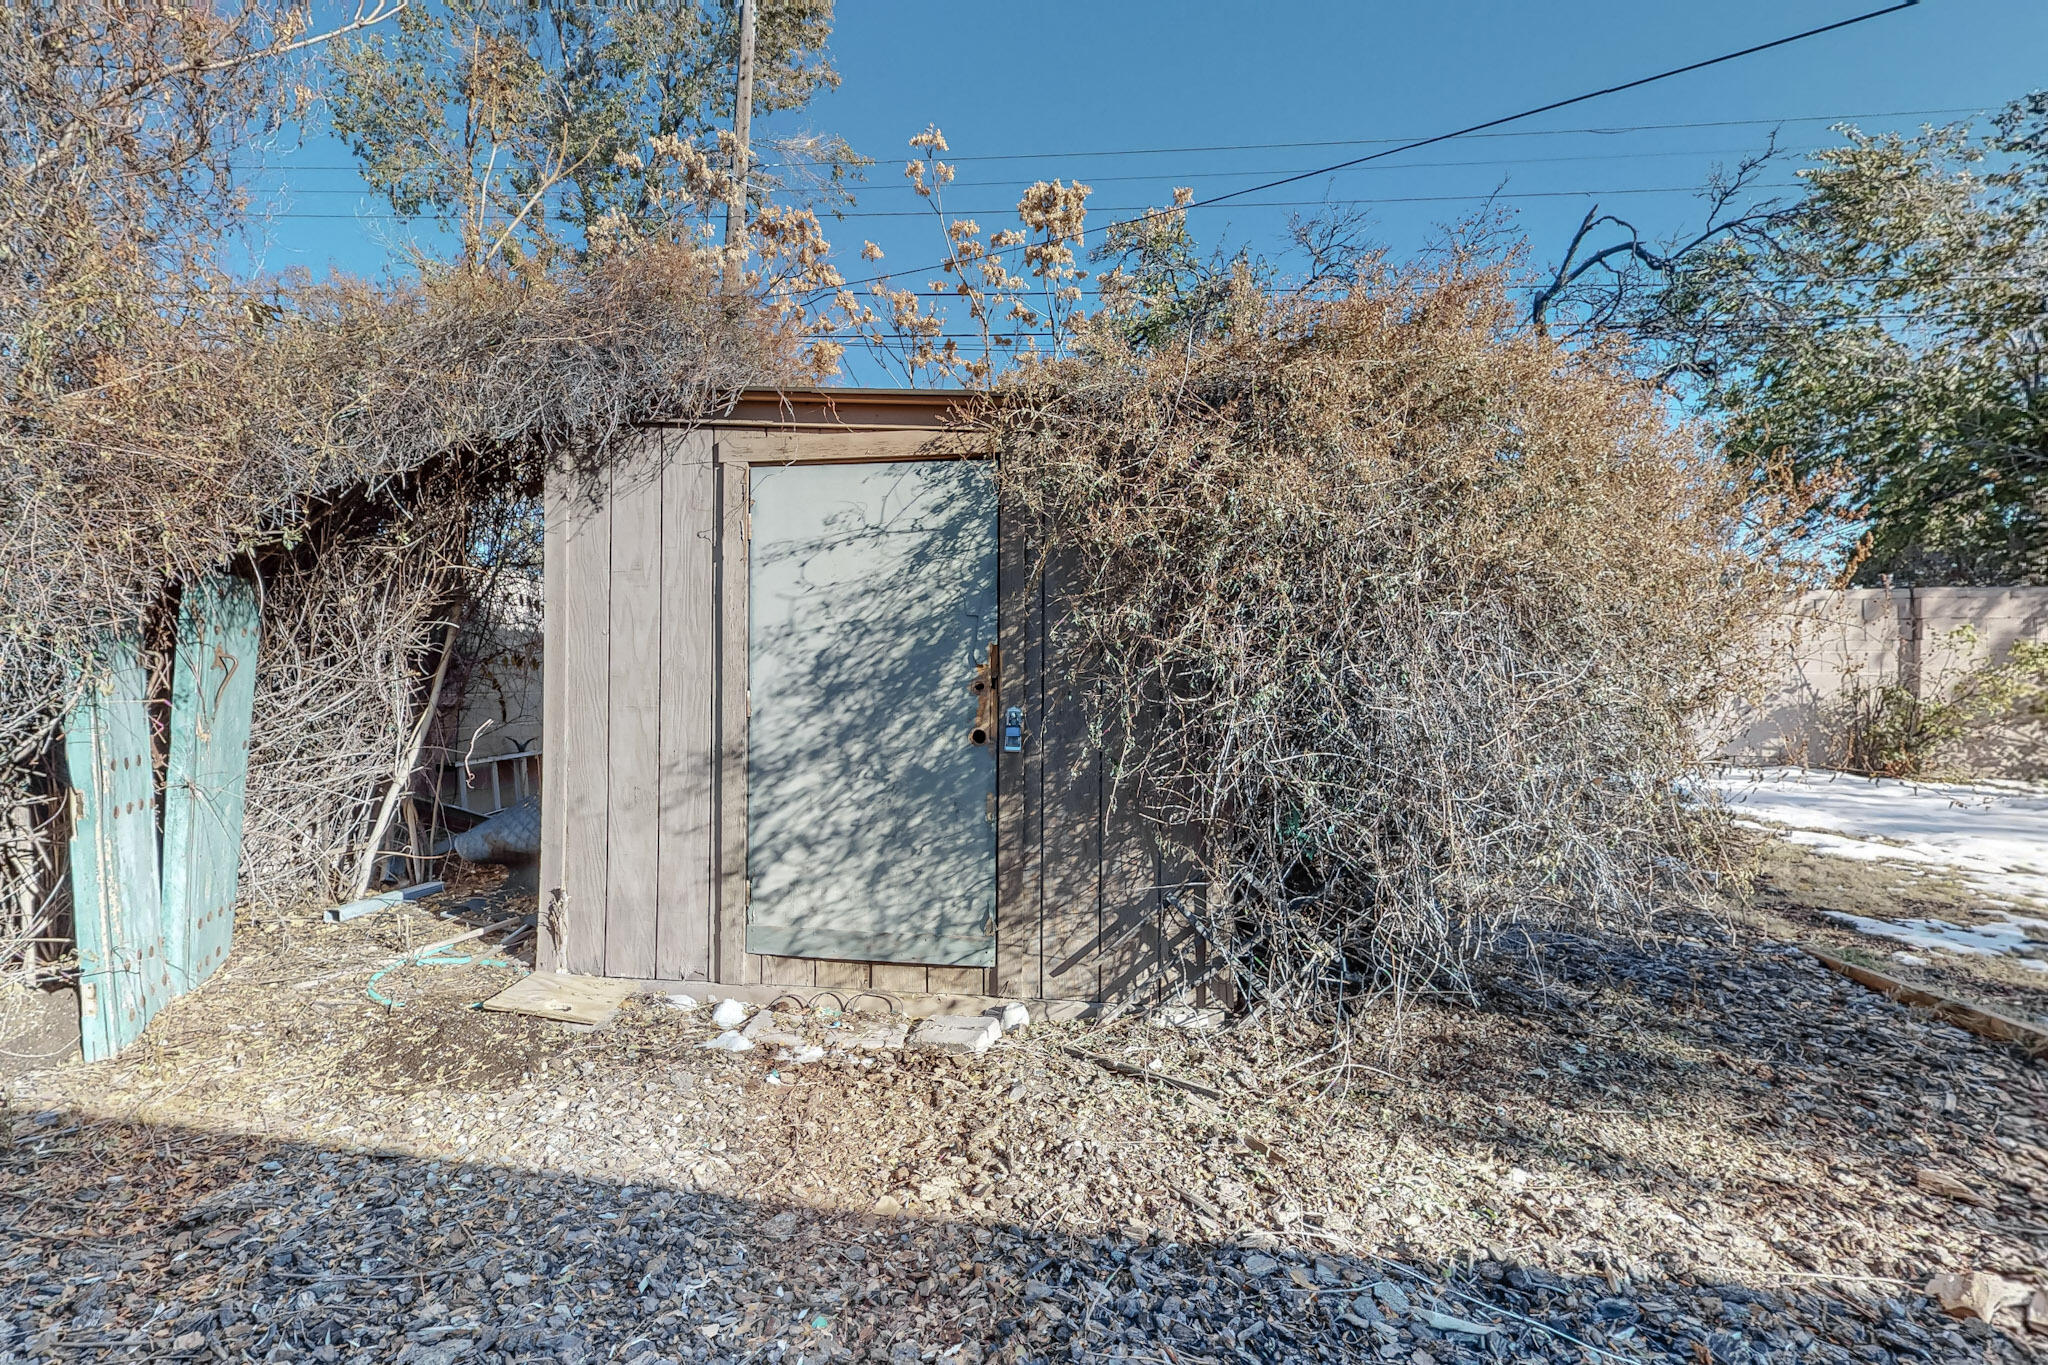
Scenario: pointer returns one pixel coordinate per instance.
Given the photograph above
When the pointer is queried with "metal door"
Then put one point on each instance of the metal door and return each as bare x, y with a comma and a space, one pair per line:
870, 810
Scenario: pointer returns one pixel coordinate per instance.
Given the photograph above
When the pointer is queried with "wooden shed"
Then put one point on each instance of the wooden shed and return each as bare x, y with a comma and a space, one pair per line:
806, 728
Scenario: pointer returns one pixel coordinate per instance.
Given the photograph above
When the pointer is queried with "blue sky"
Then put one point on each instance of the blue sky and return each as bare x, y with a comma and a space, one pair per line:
1135, 98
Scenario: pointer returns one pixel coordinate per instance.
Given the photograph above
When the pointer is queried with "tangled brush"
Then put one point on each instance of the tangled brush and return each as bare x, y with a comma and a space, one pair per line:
357, 450
1408, 614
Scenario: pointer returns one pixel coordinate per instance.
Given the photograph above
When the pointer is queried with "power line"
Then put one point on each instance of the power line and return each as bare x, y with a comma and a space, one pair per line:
1511, 161
1477, 128
1612, 130
385, 215
1608, 131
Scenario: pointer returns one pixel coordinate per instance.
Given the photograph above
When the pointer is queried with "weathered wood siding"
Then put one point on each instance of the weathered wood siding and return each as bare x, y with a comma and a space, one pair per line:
643, 866
627, 806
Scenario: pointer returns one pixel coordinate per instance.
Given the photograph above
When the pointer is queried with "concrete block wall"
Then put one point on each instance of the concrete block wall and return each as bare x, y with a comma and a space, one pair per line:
1830, 643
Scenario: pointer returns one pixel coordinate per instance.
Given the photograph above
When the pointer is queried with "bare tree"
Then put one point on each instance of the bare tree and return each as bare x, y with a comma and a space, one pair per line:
1612, 277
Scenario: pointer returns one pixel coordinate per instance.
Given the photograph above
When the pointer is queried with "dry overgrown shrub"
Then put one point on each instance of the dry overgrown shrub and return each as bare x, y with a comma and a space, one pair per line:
383, 429
214, 444
1408, 613
161, 419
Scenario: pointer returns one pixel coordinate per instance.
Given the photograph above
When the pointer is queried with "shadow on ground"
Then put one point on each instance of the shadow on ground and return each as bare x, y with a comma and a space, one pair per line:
125, 1242
1699, 1064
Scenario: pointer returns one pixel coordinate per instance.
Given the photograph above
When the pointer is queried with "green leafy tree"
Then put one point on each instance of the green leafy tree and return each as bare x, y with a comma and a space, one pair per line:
1888, 331
538, 128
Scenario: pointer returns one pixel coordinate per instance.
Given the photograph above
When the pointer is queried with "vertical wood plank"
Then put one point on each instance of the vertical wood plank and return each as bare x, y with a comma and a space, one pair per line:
632, 775
117, 906
689, 773
553, 720
1019, 953
1130, 890
1071, 841
213, 693
582, 754
732, 958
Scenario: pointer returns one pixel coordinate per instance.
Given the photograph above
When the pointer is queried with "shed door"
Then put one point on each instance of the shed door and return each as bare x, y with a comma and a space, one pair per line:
870, 820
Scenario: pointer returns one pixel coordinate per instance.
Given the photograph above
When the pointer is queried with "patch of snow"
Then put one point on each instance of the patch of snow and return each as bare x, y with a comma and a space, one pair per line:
1857, 850
1991, 835
2000, 938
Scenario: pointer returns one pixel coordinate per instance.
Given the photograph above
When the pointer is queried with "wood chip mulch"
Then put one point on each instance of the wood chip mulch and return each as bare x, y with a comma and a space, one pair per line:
1699, 1149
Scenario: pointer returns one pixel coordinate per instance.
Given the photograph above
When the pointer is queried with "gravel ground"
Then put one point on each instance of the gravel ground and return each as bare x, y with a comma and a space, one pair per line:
1701, 1149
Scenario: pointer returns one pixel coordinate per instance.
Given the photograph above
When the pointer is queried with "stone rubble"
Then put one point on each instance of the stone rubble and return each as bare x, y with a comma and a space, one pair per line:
967, 1035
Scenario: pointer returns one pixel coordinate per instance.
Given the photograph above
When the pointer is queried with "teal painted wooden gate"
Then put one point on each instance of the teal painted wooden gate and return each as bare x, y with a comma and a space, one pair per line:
144, 938
213, 690
116, 903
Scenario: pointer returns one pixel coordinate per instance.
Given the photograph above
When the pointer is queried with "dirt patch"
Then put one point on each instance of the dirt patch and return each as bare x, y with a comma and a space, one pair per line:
426, 1049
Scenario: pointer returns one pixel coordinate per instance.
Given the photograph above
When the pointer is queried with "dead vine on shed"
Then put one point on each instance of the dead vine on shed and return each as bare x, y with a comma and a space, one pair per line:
354, 447
1403, 616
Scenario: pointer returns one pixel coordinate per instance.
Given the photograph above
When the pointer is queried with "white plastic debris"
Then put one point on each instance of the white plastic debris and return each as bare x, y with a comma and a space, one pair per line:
730, 1014
728, 1041
683, 1002
1189, 1018
1012, 1016
807, 1054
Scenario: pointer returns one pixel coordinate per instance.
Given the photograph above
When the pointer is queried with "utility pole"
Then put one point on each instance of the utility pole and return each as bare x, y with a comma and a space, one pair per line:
742, 118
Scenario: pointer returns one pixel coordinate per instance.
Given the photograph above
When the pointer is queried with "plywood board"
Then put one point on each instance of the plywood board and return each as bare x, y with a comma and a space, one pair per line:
789, 971
871, 818
902, 977
1021, 627
958, 981
573, 999
844, 975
